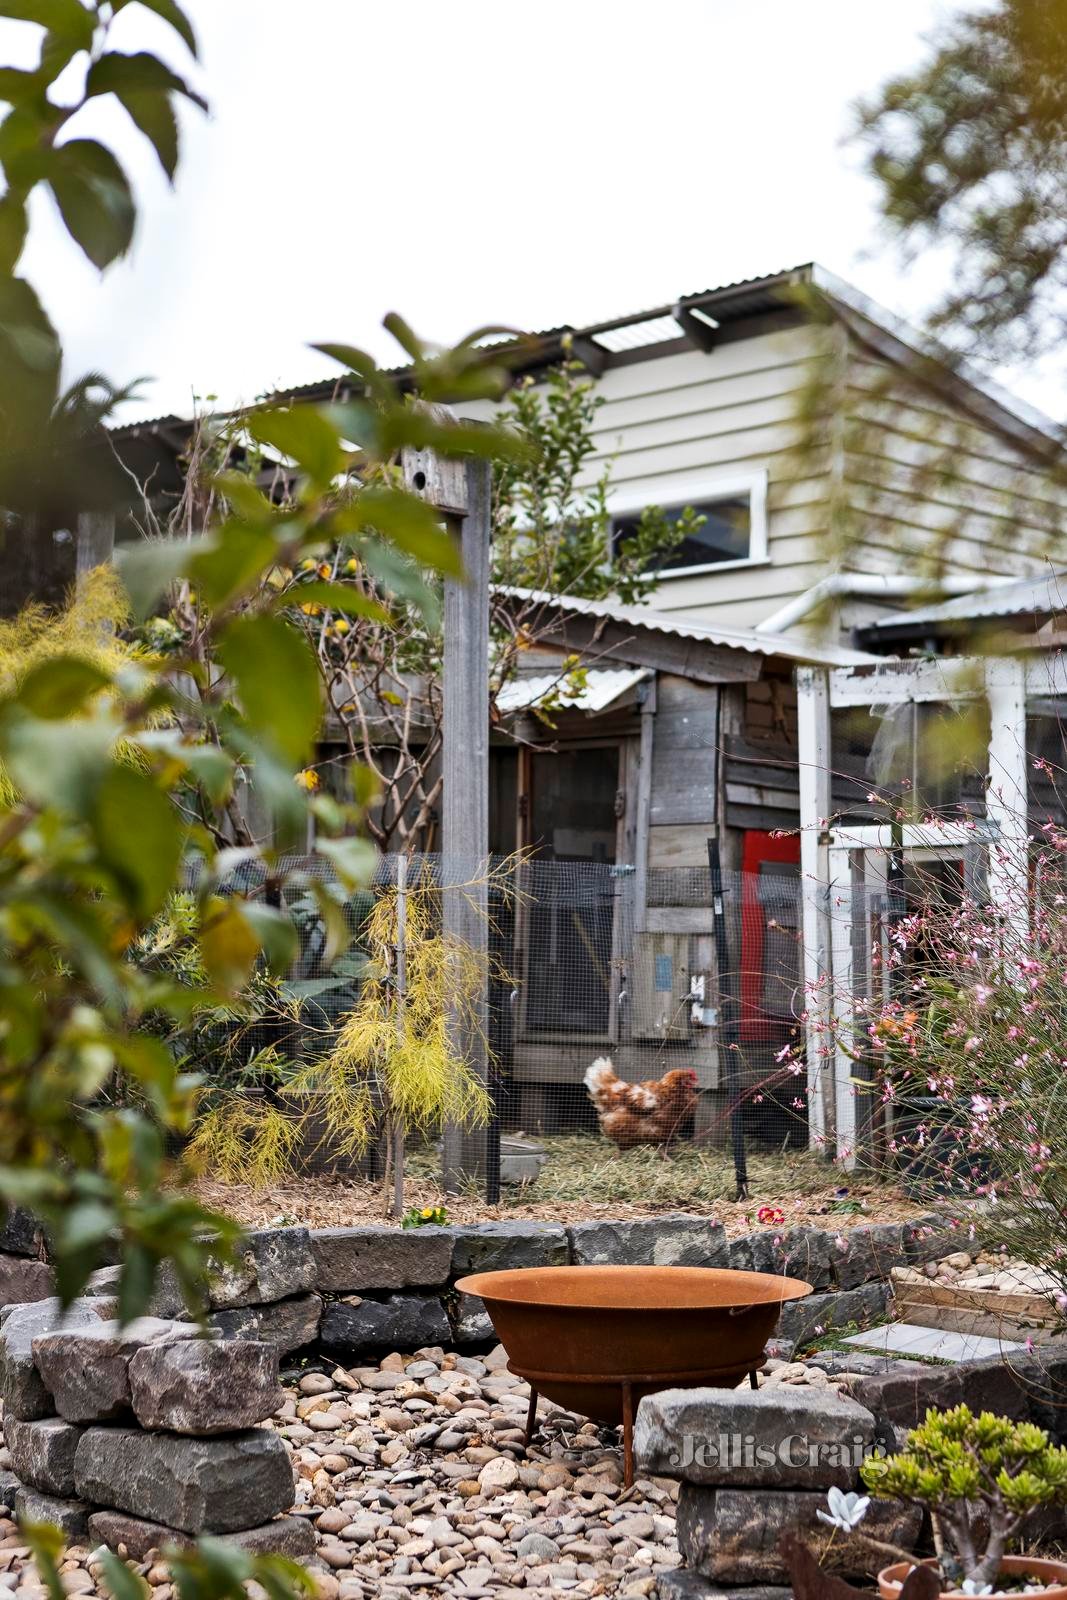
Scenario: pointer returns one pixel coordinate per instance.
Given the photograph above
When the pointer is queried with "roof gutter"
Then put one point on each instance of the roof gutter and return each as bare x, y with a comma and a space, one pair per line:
841, 584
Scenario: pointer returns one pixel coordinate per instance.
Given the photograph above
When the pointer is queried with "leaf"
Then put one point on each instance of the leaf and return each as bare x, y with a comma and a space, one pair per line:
139, 836
404, 335
12, 229
94, 199
171, 13
59, 16
336, 597
246, 500
137, 1281
278, 682
142, 72
412, 525
85, 1224
61, 687
350, 356
46, 1546
154, 115
228, 945
231, 561
16, 84
56, 762
403, 579
302, 434
205, 763
352, 859
275, 933
121, 1581
148, 569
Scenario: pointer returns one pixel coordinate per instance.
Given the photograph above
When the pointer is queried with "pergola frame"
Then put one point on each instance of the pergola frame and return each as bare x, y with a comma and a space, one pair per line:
1006, 683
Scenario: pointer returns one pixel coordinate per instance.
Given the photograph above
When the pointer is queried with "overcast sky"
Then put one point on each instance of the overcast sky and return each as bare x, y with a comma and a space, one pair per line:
530, 162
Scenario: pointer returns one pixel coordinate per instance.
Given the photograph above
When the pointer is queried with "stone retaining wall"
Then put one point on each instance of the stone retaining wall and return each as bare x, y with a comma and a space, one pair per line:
372, 1288
144, 1434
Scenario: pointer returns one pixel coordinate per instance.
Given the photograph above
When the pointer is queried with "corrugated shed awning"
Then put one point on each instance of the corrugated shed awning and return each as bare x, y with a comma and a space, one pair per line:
681, 625
1035, 597
596, 690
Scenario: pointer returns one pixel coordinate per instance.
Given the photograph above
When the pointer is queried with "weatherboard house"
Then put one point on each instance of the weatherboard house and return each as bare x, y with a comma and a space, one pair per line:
781, 669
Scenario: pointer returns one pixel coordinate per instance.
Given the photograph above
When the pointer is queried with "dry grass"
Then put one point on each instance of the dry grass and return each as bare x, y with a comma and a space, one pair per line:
585, 1178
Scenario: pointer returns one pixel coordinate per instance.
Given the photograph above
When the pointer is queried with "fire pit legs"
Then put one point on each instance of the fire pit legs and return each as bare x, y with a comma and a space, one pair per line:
626, 1386
627, 1435
531, 1416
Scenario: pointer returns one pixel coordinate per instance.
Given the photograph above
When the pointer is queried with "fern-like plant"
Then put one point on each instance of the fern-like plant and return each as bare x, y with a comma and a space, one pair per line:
87, 629
394, 1059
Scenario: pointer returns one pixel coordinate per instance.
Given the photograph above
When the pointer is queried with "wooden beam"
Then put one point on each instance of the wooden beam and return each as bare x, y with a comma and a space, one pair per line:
465, 796
593, 356
643, 809
614, 642
813, 756
95, 540
698, 326
1007, 794
843, 900
952, 678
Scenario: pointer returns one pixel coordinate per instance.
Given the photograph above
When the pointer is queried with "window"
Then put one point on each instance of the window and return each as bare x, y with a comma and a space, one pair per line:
735, 519
724, 534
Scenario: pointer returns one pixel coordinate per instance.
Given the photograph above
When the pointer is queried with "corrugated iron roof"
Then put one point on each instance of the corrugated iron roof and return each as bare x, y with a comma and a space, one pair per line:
599, 688
729, 302
684, 626
1030, 596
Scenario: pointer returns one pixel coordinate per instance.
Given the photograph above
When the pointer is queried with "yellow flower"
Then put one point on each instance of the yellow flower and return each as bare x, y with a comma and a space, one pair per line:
308, 779
427, 1211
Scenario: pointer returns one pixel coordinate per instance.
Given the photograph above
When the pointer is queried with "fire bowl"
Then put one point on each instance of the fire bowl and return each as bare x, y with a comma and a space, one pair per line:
598, 1339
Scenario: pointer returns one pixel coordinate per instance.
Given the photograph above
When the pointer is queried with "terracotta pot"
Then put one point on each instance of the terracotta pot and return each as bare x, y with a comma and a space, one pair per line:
891, 1579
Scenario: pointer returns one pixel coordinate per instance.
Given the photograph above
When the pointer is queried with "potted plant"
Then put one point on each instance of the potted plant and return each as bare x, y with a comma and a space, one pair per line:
979, 1478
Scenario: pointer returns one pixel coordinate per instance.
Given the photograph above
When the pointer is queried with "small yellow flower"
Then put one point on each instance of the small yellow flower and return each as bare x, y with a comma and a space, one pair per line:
308, 778
427, 1211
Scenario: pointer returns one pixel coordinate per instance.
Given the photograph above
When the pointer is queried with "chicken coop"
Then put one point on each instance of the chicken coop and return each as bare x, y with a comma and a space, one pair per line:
698, 1006
712, 988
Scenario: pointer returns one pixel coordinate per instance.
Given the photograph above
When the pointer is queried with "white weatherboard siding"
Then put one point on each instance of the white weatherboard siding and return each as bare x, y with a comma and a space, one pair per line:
931, 485
717, 419
689, 425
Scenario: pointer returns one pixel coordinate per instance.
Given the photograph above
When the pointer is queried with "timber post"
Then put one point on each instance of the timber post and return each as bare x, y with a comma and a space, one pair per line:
462, 491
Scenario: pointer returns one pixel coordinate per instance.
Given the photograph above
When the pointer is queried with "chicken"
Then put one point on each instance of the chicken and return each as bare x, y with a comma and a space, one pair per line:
641, 1113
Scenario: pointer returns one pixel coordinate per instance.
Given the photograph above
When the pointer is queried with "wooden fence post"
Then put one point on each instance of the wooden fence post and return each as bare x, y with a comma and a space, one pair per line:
463, 492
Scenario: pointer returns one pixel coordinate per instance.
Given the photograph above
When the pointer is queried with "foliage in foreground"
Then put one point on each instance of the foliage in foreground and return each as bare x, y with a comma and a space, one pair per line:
121, 766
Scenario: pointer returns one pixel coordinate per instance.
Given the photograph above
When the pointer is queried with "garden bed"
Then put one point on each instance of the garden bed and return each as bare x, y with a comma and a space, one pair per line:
584, 1179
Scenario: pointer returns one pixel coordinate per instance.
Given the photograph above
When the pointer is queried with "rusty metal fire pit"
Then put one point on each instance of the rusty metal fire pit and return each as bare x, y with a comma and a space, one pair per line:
598, 1339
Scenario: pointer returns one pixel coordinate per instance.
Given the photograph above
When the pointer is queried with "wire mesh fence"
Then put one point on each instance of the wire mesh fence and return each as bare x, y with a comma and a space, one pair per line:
658, 1011
689, 990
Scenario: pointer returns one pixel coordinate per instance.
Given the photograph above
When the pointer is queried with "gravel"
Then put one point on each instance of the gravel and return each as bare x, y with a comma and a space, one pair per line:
417, 1481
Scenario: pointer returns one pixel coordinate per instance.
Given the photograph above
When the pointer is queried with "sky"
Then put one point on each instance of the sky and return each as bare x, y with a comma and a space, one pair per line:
526, 162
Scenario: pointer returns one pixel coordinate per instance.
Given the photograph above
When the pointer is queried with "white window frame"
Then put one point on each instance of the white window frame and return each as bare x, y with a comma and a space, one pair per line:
674, 491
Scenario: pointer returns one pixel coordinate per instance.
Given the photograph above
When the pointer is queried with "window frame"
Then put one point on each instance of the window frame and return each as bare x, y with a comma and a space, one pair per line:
675, 491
